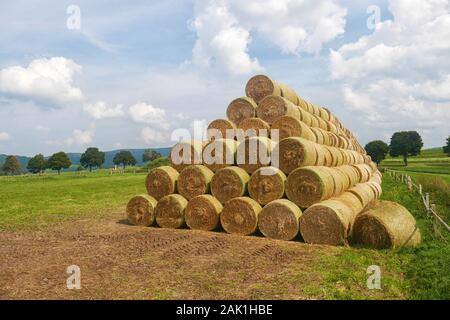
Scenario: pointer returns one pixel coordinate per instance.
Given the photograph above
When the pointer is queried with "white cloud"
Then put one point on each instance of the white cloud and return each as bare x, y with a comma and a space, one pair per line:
44, 79
99, 110
153, 137
4, 136
399, 76
223, 29
81, 137
146, 113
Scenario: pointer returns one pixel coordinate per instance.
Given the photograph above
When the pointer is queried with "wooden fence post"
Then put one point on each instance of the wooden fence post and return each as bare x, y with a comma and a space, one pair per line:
420, 189
433, 218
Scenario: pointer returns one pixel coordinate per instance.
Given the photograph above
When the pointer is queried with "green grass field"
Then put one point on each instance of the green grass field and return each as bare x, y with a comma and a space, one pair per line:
38, 202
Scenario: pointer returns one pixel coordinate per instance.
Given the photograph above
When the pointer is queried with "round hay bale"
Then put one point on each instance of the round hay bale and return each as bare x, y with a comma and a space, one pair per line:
261, 86
323, 156
322, 124
288, 93
324, 114
186, 153
254, 127
240, 216
386, 225
376, 178
352, 201
221, 129
319, 135
194, 181
266, 185
364, 193
161, 181
202, 212
340, 180
220, 153
373, 166
364, 171
254, 153
292, 127
337, 157
305, 116
328, 222
272, 107
279, 219
229, 183
170, 211
351, 173
295, 152
240, 109
331, 127
310, 107
141, 210
309, 185
314, 121
376, 187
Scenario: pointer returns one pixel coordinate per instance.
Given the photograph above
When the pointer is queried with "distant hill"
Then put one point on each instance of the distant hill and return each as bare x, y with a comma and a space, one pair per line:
109, 155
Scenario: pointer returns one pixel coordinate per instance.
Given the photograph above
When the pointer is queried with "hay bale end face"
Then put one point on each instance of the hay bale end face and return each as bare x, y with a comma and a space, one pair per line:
240, 109
161, 181
240, 216
202, 212
295, 152
186, 153
141, 210
386, 224
261, 86
253, 127
309, 185
289, 126
221, 129
266, 185
229, 183
273, 107
194, 181
254, 153
170, 211
328, 222
279, 219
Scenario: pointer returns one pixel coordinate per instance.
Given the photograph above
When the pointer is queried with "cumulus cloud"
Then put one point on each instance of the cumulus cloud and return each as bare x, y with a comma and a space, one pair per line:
49, 79
146, 113
224, 27
153, 137
400, 74
4, 136
81, 137
99, 110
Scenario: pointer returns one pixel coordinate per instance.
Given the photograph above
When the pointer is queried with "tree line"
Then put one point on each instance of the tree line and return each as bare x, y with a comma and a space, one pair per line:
90, 159
403, 144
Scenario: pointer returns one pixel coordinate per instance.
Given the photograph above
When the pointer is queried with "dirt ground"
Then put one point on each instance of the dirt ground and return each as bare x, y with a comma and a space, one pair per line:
119, 261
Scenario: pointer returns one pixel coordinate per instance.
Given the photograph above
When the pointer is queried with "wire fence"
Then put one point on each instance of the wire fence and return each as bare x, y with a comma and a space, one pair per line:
430, 208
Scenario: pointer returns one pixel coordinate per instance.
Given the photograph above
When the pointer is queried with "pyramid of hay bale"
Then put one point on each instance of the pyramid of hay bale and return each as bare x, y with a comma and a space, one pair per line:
322, 188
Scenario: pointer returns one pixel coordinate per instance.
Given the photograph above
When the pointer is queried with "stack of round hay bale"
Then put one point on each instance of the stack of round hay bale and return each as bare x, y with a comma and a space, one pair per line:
278, 165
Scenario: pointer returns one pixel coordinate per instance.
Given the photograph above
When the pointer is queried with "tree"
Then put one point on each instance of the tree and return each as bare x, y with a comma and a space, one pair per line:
377, 150
37, 164
446, 148
150, 155
124, 158
161, 161
405, 143
92, 157
59, 161
12, 166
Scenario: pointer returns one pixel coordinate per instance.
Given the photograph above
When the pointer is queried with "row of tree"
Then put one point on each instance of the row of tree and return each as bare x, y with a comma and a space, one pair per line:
90, 159
404, 144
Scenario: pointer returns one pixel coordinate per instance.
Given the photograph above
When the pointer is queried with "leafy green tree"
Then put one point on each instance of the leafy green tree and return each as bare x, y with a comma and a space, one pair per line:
37, 164
59, 161
377, 150
405, 143
92, 157
150, 155
124, 158
11, 166
446, 148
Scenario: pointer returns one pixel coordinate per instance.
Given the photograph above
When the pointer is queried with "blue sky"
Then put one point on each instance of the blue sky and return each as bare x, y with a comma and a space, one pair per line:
132, 73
